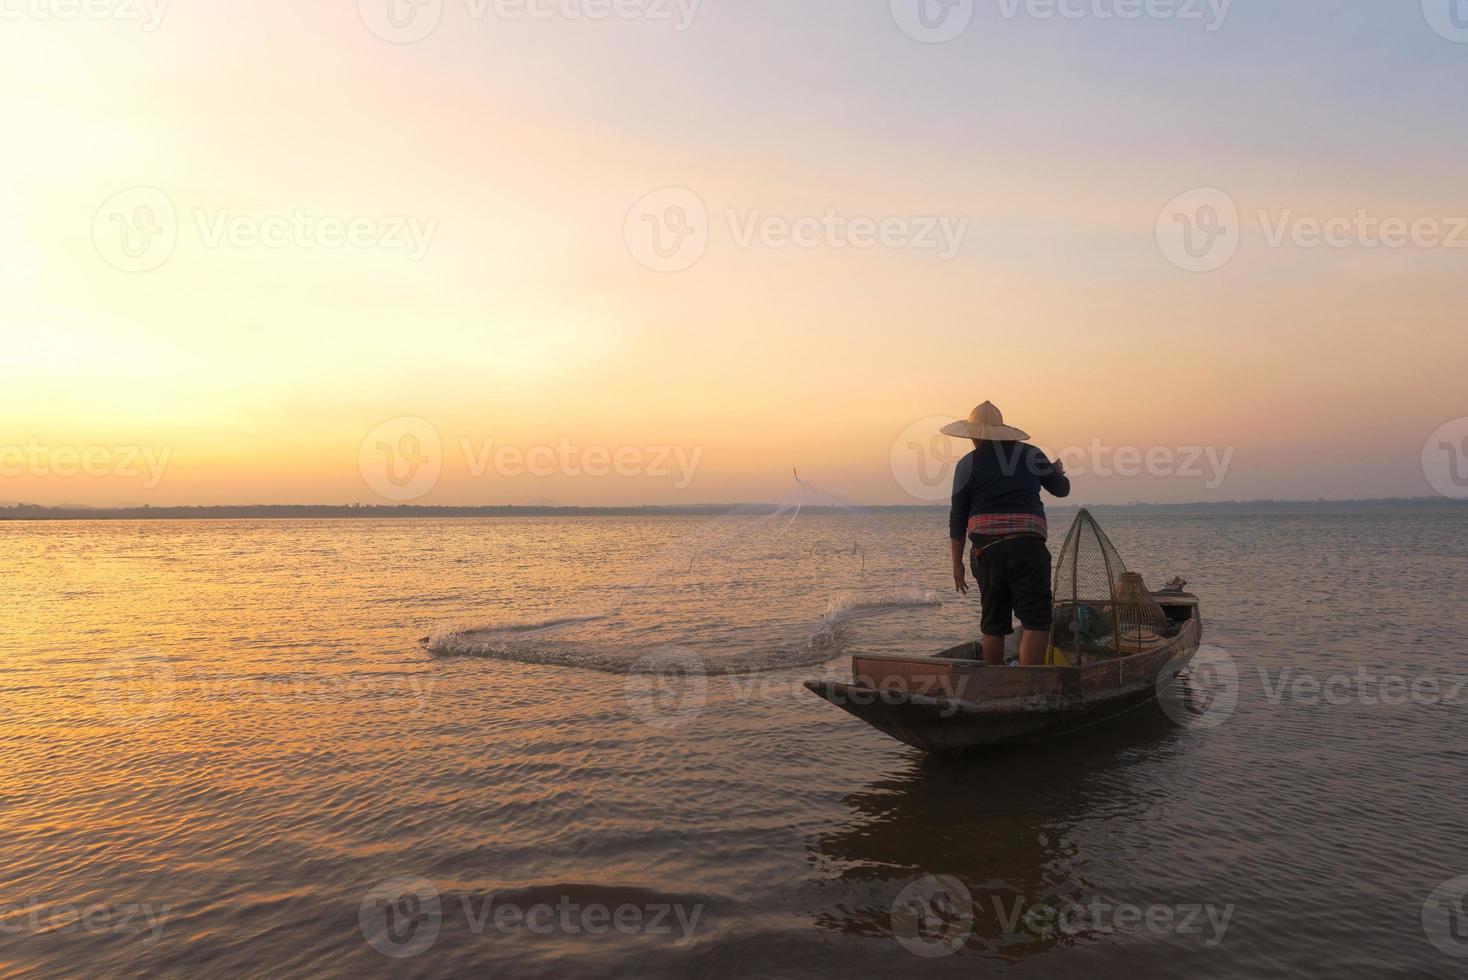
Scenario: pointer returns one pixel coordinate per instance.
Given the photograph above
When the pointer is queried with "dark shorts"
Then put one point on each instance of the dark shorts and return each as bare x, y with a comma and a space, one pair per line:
1014, 580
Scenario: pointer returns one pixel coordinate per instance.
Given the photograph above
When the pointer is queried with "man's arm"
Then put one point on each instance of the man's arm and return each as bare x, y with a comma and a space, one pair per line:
962, 499
1052, 476
958, 520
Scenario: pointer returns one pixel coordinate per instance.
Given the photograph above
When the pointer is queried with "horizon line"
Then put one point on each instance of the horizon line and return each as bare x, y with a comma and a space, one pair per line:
12, 511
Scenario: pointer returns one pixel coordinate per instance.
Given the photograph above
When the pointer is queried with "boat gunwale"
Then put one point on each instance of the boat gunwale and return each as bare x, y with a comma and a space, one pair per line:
1191, 625
1187, 642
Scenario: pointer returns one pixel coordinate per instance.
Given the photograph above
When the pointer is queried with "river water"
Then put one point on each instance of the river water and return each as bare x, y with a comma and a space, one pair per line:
228, 749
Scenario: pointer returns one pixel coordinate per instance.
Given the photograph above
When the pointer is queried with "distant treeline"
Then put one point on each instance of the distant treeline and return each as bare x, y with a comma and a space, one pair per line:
34, 512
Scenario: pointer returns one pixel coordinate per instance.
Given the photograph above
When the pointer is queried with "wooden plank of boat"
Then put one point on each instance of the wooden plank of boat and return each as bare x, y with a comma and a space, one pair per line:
953, 701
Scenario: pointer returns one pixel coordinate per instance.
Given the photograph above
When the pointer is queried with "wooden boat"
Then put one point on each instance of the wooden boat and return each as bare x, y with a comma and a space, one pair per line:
954, 701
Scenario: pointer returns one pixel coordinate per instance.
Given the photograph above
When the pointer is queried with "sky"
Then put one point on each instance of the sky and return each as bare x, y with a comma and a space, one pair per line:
312, 253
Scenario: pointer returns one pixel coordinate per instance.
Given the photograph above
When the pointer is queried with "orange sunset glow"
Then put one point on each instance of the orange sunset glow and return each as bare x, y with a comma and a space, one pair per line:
497, 294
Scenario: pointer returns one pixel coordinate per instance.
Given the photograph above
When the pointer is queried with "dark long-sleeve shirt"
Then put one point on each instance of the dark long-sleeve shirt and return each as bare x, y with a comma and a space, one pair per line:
1002, 478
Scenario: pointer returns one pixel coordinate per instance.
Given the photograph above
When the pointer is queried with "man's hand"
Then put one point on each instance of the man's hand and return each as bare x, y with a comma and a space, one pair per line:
959, 582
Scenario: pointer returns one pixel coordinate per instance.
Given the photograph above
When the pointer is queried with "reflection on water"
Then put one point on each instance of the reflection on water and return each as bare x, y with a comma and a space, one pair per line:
1000, 822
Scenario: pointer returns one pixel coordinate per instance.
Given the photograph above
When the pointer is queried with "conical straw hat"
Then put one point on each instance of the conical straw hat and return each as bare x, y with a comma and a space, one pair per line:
985, 422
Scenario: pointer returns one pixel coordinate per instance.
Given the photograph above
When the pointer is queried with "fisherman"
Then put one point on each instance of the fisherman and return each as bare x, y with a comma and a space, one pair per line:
996, 503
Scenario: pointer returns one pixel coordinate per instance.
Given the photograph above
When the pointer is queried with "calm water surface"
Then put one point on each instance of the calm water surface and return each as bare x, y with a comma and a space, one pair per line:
222, 738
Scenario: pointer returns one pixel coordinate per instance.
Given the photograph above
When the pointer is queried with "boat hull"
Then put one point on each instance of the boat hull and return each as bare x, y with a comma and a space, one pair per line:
952, 703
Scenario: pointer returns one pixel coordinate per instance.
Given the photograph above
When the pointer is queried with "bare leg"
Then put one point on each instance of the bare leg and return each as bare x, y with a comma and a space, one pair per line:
1032, 647
994, 651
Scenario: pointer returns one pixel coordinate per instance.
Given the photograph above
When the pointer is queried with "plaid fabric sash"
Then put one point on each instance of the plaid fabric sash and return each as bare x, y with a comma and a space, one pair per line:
1007, 525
